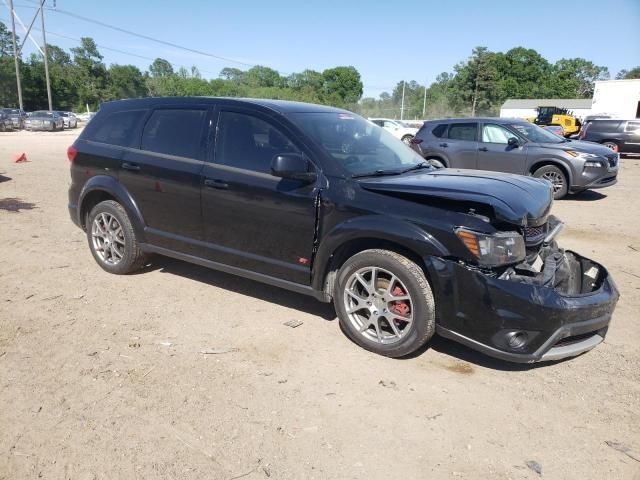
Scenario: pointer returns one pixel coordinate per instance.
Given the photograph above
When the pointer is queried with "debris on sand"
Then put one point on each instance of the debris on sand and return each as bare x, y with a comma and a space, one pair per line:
293, 323
535, 466
218, 351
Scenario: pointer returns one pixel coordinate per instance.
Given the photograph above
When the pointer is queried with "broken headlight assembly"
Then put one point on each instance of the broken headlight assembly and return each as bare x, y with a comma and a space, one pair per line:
493, 250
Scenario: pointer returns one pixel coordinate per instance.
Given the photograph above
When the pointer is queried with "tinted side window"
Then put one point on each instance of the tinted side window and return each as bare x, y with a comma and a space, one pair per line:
118, 128
463, 131
632, 127
245, 141
175, 132
440, 130
380, 123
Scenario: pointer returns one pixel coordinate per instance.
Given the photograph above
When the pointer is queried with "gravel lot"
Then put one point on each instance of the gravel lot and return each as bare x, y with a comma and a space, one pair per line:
101, 376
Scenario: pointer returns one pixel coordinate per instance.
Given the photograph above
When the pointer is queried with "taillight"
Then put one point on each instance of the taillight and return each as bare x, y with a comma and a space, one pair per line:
416, 141
71, 153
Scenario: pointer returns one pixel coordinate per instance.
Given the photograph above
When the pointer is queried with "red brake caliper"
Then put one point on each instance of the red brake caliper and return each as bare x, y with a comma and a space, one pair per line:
401, 307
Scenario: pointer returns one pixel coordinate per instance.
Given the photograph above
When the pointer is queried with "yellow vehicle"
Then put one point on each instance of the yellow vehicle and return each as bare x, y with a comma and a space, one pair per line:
558, 116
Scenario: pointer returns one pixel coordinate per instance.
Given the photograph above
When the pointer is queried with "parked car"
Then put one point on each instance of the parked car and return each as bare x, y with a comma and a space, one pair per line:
16, 116
398, 128
5, 122
85, 116
621, 136
264, 189
44, 120
69, 119
556, 130
517, 146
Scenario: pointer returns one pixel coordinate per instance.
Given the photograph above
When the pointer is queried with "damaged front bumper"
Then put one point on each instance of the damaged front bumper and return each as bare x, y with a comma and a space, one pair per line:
559, 312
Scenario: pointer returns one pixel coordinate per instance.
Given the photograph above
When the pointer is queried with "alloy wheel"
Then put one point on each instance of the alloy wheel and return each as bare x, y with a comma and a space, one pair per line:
108, 239
556, 180
378, 305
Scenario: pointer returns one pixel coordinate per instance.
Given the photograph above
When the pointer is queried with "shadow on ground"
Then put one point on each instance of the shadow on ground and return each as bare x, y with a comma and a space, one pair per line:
244, 286
4, 178
588, 196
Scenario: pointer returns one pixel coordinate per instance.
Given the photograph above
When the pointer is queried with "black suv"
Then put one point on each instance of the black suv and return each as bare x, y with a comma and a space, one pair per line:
322, 202
619, 135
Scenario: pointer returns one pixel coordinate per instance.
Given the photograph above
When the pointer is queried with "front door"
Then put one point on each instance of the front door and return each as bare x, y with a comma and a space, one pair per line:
495, 153
253, 220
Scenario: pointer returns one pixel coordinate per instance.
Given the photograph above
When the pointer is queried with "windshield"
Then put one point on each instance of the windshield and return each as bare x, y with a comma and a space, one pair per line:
42, 114
358, 145
536, 134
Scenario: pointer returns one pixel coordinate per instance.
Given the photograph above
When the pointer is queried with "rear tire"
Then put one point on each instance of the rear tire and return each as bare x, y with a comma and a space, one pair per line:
384, 303
436, 162
612, 145
407, 139
557, 178
112, 240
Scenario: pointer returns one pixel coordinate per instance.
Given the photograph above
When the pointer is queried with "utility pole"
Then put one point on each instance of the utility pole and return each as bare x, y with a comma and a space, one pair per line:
46, 59
402, 106
424, 103
15, 54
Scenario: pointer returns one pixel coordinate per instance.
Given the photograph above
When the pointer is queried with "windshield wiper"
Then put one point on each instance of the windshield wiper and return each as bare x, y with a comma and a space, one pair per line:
377, 173
418, 166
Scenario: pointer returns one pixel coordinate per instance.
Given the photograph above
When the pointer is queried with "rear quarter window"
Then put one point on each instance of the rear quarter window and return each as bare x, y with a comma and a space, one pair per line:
117, 128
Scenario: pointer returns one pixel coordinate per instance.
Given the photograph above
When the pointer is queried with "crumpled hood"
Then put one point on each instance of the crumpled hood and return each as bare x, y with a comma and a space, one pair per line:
580, 146
514, 198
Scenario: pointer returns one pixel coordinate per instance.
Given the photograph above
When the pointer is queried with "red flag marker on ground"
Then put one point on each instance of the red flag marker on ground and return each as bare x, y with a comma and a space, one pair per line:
20, 157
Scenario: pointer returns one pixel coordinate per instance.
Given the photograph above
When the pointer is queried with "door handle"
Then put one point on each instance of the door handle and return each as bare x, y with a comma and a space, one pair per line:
444, 144
483, 149
131, 166
215, 183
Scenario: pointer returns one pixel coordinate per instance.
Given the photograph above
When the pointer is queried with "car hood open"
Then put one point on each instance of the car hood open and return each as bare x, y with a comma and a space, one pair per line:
514, 198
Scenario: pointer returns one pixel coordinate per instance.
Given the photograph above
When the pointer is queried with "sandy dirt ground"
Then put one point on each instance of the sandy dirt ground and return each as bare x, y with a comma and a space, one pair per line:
101, 376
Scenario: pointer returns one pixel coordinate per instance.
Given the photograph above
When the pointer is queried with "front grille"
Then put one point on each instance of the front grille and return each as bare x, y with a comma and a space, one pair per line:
535, 235
606, 180
613, 159
574, 339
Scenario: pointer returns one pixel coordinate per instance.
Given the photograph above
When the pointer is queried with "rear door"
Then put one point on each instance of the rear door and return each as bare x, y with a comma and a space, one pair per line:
495, 153
631, 137
163, 175
461, 145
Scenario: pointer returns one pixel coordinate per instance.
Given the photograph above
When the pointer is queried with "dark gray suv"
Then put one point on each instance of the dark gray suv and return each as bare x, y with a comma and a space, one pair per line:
517, 146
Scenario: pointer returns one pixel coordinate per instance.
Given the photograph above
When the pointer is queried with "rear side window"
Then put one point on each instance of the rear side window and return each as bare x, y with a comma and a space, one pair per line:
440, 130
176, 132
118, 128
247, 142
632, 127
463, 131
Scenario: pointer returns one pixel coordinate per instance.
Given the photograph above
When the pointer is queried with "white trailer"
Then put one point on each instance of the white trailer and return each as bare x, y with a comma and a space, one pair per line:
617, 99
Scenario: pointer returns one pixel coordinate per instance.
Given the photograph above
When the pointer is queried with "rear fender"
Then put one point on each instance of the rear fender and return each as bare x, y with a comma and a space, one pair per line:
110, 185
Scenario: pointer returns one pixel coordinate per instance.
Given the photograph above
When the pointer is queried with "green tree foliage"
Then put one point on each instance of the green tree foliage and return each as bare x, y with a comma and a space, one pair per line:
634, 73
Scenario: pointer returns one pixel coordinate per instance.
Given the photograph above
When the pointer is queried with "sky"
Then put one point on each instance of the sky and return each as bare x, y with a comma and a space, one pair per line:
387, 41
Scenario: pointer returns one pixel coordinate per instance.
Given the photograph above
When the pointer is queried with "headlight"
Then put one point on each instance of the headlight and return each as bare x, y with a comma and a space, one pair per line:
582, 155
594, 163
492, 250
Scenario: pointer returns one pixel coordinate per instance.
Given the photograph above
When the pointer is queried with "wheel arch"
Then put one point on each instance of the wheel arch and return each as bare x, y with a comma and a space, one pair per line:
358, 235
103, 187
543, 163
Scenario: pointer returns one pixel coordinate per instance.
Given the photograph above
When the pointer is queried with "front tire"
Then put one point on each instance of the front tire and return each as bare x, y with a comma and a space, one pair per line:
112, 240
384, 303
407, 139
437, 163
557, 178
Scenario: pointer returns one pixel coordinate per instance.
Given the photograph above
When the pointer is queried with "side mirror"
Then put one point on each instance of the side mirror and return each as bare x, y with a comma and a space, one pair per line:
513, 142
293, 166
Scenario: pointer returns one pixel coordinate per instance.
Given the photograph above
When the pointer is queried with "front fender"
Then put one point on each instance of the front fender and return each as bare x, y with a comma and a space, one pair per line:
105, 183
554, 161
373, 227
